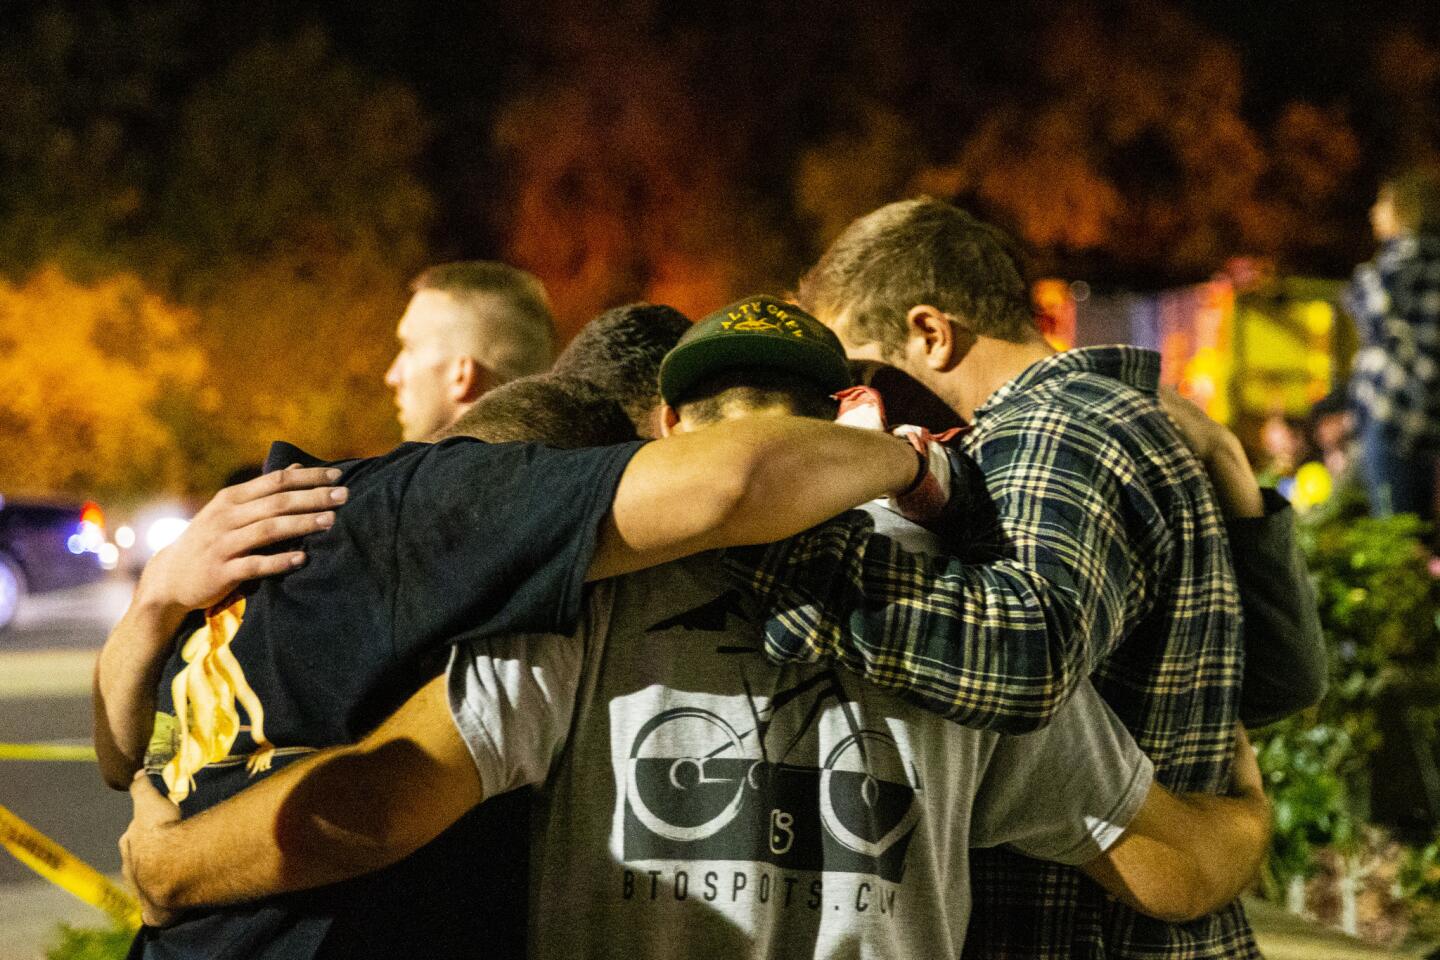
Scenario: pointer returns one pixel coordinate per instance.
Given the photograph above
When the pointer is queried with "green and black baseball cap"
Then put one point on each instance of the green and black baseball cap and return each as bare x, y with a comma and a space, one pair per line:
758, 331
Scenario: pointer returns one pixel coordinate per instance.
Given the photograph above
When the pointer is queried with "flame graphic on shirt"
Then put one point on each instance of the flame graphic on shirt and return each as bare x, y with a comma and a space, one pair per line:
205, 695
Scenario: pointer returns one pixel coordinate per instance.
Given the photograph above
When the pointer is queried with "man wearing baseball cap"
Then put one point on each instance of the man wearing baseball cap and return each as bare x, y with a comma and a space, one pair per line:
695, 799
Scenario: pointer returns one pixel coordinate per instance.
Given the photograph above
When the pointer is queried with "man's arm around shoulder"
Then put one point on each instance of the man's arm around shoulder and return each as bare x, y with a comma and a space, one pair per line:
1184, 856
342, 813
743, 482
214, 555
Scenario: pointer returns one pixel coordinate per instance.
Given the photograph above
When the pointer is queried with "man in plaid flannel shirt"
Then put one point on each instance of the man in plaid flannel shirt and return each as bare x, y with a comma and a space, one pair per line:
1395, 384
1109, 559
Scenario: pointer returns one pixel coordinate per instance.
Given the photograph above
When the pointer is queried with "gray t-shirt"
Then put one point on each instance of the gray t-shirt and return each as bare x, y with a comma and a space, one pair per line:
697, 801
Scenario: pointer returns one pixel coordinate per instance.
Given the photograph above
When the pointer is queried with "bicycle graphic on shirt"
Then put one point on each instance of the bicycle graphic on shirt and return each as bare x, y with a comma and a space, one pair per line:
698, 788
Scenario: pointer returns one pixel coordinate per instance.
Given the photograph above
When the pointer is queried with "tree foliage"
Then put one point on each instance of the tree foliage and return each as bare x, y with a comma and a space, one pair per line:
292, 219
96, 378
281, 179
271, 196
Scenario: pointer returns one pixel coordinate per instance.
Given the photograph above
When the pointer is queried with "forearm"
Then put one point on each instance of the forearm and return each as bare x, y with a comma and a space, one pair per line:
127, 673
308, 825
811, 473
1186, 856
985, 645
233, 852
743, 482
342, 813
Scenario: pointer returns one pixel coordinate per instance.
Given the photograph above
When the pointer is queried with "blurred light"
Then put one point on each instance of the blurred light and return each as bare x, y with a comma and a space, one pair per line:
1319, 317
91, 537
74, 545
1080, 291
163, 532
91, 513
125, 538
1313, 485
109, 555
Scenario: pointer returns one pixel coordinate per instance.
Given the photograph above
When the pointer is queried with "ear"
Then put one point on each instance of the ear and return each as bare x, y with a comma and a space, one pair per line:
669, 420
468, 380
942, 341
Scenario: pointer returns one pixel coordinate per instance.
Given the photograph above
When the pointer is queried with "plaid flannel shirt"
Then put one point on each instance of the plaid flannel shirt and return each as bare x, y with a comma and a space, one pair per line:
1109, 559
1395, 380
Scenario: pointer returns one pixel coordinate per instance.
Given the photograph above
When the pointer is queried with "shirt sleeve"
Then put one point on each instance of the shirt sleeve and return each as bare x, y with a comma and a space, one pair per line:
496, 538
1285, 660
512, 699
997, 644
1066, 793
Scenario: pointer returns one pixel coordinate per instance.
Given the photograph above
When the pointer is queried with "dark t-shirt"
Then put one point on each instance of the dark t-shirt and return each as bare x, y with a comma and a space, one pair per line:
437, 543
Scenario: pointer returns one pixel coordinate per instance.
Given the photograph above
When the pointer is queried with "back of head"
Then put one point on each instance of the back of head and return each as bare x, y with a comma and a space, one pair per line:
509, 329
620, 352
920, 251
1415, 195
558, 411
736, 391
757, 354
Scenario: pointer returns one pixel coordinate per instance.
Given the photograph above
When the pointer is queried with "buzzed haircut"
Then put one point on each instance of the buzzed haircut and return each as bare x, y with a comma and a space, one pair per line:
513, 333
754, 387
1415, 195
920, 251
558, 411
620, 352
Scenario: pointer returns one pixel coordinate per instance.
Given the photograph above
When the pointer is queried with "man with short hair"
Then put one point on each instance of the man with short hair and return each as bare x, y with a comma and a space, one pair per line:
620, 352
698, 800
470, 326
1112, 559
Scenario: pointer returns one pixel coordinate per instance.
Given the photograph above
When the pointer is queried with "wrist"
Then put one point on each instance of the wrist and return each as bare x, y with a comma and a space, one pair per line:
158, 614
151, 870
909, 466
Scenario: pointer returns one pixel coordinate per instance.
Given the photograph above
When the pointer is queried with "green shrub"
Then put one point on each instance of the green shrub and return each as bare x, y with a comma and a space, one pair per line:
1379, 606
87, 943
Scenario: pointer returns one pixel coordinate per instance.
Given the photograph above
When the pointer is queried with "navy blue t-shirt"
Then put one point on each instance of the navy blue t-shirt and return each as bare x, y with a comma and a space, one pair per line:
436, 544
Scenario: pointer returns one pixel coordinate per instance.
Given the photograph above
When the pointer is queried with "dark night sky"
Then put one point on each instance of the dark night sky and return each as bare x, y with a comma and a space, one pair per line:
461, 60
465, 60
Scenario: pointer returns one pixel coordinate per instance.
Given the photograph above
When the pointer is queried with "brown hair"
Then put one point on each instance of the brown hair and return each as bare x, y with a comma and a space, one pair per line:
920, 251
707, 400
563, 412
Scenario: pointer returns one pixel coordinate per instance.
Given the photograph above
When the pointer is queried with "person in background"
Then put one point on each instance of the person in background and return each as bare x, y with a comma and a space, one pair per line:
470, 326
1332, 434
1283, 446
1395, 380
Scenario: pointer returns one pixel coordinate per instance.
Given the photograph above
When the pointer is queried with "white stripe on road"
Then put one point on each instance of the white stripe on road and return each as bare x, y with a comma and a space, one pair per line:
31, 674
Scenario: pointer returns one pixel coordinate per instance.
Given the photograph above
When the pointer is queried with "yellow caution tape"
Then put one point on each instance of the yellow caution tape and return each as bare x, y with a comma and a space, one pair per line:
46, 751
64, 869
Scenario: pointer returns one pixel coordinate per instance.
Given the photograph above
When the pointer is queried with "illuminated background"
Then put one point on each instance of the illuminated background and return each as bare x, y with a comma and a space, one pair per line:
208, 212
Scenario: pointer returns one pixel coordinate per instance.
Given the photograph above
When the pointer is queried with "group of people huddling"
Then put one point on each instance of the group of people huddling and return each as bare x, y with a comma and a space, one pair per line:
859, 623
